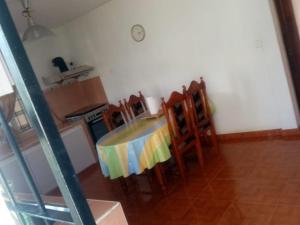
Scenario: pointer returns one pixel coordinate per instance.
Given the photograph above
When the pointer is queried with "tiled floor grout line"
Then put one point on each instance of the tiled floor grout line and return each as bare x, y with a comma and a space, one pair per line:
278, 204
272, 216
232, 201
209, 183
223, 214
224, 192
216, 175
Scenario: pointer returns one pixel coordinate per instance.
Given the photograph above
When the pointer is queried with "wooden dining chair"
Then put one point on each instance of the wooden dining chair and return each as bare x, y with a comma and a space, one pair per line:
135, 105
180, 124
199, 107
115, 116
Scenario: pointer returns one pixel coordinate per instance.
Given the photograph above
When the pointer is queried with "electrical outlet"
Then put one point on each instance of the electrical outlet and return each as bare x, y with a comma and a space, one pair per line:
259, 44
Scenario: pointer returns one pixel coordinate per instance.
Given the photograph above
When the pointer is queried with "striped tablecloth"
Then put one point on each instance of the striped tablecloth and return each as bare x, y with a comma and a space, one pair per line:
134, 147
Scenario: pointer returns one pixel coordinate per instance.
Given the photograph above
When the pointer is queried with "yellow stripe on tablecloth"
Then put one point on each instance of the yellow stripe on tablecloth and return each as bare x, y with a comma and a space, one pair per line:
122, 152
132, 131
158, 141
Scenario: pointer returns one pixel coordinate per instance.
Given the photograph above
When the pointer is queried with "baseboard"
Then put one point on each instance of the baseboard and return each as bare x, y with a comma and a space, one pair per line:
290, 134
261, 135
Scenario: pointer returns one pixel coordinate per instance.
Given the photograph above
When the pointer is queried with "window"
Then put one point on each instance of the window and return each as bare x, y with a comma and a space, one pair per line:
20, 120
77, 210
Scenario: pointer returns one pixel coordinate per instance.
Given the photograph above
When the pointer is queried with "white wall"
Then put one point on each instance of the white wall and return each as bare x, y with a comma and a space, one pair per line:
231, 43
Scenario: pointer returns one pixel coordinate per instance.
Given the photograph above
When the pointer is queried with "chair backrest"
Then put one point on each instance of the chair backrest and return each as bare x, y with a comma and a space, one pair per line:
135, 105
115, 116
197, 98
178, 116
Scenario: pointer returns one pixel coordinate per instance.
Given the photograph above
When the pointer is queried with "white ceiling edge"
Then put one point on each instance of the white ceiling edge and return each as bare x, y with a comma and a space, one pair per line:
52, 13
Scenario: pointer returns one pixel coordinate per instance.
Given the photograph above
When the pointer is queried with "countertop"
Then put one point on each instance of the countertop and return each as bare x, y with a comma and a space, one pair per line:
104, 212
29, 139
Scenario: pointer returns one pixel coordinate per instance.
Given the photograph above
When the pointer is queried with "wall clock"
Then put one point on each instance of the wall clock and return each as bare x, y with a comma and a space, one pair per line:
138, 32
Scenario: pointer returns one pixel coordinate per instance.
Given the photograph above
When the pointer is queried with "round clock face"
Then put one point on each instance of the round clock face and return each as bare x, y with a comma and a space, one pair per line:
138, 32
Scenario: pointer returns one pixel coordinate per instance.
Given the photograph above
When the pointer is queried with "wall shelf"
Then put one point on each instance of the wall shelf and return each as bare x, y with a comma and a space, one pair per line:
70, 74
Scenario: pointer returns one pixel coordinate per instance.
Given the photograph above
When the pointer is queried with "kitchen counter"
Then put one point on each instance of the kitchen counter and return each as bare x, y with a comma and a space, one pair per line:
78, 146
29, 138
104, 212
25, 141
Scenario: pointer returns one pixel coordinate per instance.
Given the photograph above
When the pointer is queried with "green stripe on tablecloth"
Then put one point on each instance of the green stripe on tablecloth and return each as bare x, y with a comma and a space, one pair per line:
156, 148
132, 131
114, 164
161, 154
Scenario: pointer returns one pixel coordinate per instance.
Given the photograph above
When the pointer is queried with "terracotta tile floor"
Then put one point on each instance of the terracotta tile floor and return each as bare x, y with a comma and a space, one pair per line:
249, 183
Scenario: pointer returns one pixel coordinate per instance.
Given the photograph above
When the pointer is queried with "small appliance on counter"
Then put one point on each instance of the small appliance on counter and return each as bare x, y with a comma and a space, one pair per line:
60, 63
93, 116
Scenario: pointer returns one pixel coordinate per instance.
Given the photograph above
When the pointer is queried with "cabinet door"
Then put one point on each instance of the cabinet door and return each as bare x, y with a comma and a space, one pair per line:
40, 169
14, 175
78, 147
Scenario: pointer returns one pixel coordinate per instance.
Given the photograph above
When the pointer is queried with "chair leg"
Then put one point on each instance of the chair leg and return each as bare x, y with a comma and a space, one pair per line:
160, 176
199, 152
214, 140
123, 184
180, 163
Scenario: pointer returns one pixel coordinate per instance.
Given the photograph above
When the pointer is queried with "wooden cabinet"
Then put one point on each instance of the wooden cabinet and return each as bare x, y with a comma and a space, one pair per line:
69, 98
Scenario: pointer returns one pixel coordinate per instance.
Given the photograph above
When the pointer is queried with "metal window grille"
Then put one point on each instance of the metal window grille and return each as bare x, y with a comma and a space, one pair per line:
36, 211
31, 211
20, 120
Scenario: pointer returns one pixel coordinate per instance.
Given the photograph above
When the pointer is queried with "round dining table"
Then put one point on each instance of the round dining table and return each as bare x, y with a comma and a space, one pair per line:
138, 145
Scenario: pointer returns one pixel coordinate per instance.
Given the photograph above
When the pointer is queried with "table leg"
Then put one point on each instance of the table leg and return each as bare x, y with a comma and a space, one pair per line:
123, 184
159, 176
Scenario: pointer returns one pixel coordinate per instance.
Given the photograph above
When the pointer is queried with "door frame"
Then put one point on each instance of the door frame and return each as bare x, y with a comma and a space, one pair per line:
291, 40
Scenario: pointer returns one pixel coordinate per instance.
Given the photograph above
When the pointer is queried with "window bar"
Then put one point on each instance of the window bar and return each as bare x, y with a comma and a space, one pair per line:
41, 119
57, 213
11, 197
22, 163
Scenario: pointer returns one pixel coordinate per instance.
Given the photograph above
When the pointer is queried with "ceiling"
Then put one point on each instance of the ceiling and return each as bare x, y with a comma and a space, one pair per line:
52, 13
